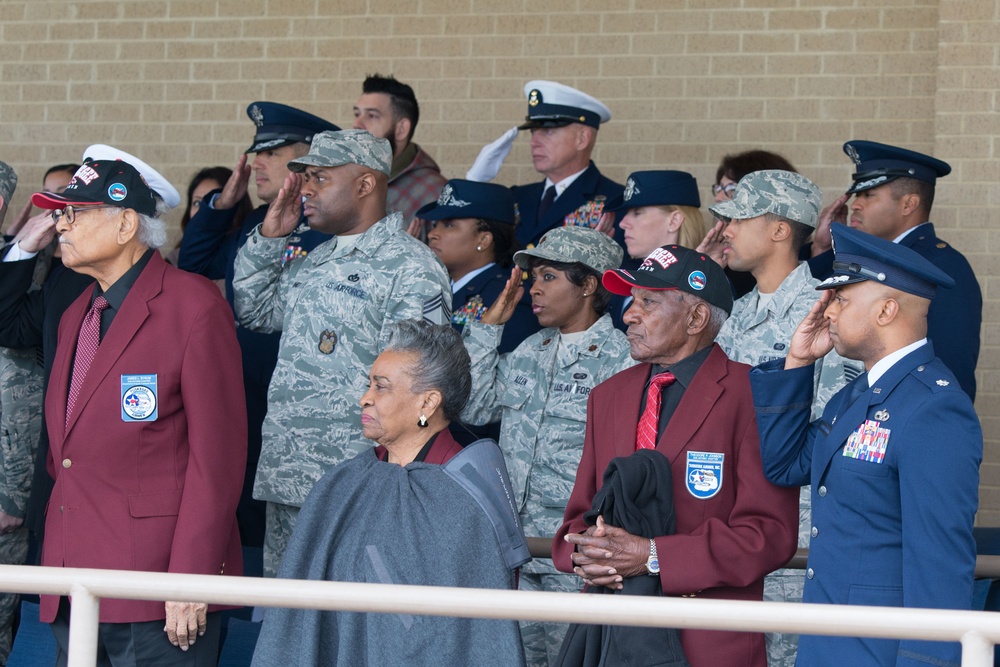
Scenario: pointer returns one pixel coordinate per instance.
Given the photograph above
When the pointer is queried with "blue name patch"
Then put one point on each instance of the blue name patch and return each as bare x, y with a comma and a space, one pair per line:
139, 399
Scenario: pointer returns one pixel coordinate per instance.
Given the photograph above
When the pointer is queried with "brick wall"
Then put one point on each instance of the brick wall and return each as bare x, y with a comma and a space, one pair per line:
687, 81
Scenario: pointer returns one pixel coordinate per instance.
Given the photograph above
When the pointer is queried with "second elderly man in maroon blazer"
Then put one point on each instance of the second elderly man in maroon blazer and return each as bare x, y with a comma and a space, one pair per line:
688, 401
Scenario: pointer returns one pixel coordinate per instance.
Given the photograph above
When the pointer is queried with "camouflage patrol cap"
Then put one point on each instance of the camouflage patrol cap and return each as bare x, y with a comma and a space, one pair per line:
334, 149
783, 193
8, 182
587, 246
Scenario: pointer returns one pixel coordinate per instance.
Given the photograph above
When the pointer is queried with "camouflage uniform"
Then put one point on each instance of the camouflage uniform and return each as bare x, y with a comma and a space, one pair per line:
333, 309
539, 393
753, 336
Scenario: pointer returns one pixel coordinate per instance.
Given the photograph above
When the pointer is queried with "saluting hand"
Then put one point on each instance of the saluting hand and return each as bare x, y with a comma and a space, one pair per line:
236, 187
835, 212
811, 340
712, 244
36, 233
605, 555
503, 308
19, 221
606, 225
284, 212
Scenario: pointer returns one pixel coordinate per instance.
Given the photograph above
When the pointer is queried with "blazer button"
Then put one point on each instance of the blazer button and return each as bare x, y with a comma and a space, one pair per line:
822, 491
67, 463
810, 574
815, 531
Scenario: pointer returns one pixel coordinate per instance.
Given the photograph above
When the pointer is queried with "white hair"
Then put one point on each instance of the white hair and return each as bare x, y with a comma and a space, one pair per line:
152, 231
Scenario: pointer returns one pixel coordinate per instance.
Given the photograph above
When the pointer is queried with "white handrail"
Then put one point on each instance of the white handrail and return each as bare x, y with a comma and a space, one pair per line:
978, 631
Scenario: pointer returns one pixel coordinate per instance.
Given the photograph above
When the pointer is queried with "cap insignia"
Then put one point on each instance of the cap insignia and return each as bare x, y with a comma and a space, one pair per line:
534, 98
447, 198
630, 189
852, 153
697, 280
864, 185
257, 116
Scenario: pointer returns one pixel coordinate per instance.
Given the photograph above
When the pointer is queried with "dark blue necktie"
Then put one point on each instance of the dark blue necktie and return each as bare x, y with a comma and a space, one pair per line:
547, 198
859, 387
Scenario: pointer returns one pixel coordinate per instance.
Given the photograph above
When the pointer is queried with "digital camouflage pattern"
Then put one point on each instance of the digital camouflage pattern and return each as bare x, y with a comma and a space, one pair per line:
334, 149
539, 394
8, 182
20, 427
333, 308
753, 336
575, 244
784, 193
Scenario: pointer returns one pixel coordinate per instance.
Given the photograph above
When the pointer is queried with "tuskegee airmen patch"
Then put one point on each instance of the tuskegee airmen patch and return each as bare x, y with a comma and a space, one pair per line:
704, 474
139, 402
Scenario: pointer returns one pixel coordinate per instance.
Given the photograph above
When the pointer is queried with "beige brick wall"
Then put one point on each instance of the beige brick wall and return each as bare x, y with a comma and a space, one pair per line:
687, 81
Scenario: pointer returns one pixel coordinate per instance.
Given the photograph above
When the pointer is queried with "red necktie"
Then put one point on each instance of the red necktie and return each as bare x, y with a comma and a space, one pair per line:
86, 348
645, 434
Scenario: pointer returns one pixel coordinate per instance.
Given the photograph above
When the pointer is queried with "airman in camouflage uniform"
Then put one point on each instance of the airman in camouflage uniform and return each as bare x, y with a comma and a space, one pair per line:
333, 309
20, 426
539, 392
760, 329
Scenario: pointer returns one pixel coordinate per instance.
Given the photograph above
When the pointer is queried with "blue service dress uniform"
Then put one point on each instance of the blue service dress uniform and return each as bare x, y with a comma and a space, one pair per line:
895, 484
581, 204
956, 313
207, 249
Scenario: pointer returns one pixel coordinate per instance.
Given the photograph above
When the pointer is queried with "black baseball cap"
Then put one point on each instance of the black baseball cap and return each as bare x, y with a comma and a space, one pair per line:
673, 267
110, 182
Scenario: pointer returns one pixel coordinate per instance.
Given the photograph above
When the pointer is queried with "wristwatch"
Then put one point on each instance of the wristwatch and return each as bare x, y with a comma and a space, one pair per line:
652, 563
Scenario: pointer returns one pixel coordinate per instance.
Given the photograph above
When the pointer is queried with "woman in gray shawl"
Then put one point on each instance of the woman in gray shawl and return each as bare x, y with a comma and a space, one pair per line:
399, 514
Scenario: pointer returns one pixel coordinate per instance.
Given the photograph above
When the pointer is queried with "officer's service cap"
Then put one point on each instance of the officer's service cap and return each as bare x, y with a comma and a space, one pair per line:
102, 182
784, 193
8, 182
161, 186
280, 125
877, 164
859, 256
675, 267
334, 149
552, 104
470, 199
587, 246
657, 188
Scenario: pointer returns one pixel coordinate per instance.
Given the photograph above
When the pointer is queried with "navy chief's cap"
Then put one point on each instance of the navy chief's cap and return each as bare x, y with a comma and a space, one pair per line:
859, 256
552, 104
280, 125
878, 164
470, 199
674, 267
657, 188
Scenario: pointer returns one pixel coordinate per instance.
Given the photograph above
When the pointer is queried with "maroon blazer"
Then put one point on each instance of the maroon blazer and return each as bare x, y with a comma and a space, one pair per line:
443, 448
724, 545
159, 495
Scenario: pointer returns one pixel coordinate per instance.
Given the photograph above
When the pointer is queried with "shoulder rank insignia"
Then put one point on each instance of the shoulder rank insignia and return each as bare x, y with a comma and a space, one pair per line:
327, 341
943, 383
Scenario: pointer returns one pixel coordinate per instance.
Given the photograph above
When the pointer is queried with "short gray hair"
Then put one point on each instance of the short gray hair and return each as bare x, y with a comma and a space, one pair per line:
716, 316
152, 228
442, 361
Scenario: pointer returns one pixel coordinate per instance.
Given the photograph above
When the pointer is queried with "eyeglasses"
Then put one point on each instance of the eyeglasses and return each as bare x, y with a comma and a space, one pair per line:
70, 212
728, 189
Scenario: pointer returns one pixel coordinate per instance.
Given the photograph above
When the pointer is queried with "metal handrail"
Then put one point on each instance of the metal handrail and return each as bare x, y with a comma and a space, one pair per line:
977, 631
987, 567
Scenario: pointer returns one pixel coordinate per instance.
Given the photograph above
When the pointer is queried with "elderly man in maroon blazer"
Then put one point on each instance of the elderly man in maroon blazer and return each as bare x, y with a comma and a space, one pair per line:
146, 420
688, 401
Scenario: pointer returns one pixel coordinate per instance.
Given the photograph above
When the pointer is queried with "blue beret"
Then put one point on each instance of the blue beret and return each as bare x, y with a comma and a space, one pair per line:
470, 199
657, 188
878, 164
859, 256
280, 125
